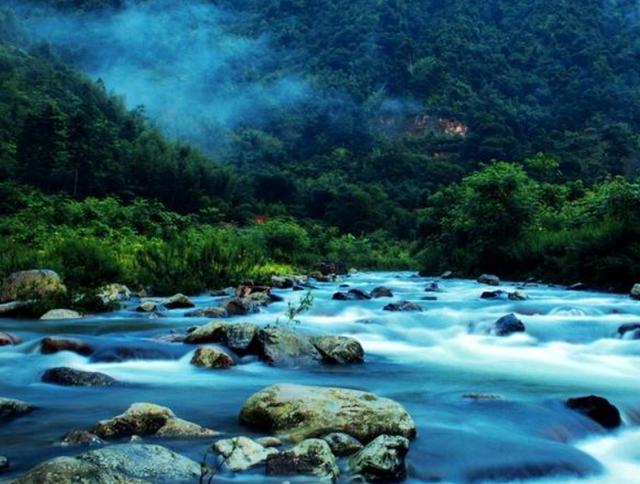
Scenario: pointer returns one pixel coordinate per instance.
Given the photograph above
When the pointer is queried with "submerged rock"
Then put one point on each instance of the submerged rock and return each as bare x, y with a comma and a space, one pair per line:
342, 444
507, 325
578, 286
598, 409
69, 377
310, 457
80, 437
433, 287
8, 339
489, 279
402, 306
30, 284
517, 296
635, 292
206, 357
148, 307
338, 349
50, 345
298, 412
629, 331
149, 419
381, 291
61, 314
210, 312
284, 347
4, 463
354, 294
242, 453
127, 353
178, 301
10, 408
382, 460
493, 294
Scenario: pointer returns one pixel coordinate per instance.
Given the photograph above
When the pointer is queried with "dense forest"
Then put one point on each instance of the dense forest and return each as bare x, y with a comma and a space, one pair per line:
498, 136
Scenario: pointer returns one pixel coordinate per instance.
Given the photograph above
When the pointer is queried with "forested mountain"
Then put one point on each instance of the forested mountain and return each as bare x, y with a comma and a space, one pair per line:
362, 117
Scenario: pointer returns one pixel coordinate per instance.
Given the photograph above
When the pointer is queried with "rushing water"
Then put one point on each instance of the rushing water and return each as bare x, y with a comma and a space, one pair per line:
429, 361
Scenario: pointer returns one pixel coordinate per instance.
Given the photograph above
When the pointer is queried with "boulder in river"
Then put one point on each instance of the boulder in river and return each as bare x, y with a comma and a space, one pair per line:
238, 337
213, 332
635, 292
282, 282
241, 306
116, 464
10, 408
31, 284
297, 412
178, 301
629, 331
8, 339
70, 377
209, 312
342, 444
489, 279
282, 346
51, 345
61, 314
598, 409
242, 453
145, 419
311, 457
381, 291
433, 287
402, 306
507, 325
339, 349
382, 460
493, 294
213, 358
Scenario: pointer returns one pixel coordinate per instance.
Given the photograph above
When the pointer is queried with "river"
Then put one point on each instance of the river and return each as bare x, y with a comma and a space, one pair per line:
432, 362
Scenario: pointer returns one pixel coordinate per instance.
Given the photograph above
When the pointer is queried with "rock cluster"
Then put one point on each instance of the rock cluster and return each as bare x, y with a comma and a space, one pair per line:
279, 345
